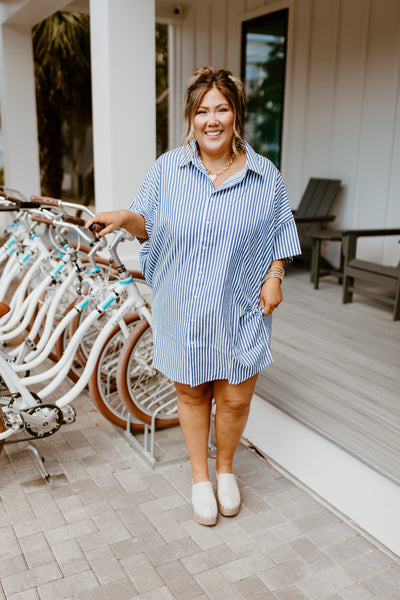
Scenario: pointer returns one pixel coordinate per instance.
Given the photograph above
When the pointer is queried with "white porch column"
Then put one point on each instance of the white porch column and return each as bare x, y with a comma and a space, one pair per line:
18, 111
123, 88
123, 84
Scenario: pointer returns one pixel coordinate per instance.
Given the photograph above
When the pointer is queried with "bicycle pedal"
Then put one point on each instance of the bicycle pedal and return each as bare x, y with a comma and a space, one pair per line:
69, 414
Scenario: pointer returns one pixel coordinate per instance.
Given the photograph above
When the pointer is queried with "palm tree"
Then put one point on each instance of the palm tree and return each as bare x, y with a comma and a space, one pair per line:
61, 48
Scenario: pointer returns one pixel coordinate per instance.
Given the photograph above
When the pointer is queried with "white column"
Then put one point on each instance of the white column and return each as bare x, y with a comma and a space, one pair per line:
18, 111
123, 90
123, 84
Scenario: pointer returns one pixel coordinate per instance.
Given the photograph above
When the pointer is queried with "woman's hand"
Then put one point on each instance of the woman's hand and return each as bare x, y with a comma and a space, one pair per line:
111, 221
133, 222
271, 295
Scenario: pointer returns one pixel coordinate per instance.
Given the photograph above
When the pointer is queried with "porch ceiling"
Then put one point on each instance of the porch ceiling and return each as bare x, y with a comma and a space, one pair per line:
81, 6
23, 15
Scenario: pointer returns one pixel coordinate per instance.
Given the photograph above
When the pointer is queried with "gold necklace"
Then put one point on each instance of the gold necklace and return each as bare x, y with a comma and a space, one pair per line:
213, 176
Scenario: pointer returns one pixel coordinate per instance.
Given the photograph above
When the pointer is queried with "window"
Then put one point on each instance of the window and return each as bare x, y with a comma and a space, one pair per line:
264, 42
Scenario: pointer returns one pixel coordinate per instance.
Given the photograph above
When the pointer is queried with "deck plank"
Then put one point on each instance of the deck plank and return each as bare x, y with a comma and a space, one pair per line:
336, 369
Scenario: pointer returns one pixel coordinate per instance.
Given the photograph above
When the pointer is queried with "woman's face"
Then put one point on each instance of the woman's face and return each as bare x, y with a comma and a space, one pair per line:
213, 123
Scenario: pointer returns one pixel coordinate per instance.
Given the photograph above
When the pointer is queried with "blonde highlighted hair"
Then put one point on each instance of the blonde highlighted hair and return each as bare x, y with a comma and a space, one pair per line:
203, 80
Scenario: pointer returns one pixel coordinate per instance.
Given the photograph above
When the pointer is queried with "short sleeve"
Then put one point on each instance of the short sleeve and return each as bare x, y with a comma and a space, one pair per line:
286, 241
147, 198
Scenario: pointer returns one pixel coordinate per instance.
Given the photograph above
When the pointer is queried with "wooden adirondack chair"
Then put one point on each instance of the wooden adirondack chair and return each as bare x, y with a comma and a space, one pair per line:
312, 213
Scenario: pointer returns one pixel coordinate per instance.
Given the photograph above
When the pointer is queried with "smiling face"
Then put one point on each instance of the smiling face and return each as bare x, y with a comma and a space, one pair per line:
213, 124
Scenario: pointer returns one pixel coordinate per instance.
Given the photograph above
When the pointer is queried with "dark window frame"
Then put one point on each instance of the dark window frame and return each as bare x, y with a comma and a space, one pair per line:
272, 20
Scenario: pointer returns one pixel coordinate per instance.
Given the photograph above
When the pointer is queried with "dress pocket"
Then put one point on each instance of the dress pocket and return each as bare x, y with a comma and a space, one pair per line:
251, 336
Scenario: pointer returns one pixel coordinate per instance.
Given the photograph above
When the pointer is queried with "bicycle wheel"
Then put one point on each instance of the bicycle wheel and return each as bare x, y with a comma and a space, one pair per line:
2, 427
86, 344
142, 388
103, 382
4, 400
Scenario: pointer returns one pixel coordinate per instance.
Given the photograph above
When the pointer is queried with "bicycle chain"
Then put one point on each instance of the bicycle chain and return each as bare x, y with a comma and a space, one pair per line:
25, 439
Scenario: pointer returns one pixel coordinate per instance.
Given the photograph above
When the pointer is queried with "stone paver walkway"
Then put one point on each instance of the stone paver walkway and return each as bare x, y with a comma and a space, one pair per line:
110, 527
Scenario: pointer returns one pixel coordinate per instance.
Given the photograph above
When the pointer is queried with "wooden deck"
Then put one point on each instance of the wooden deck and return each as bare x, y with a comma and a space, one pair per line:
337, 370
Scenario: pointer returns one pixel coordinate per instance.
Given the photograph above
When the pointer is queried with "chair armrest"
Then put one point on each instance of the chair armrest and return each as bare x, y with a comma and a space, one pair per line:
350, 237
370, 232
315, 219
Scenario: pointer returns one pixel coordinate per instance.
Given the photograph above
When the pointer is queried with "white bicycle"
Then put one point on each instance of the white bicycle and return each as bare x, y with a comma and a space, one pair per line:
23, 409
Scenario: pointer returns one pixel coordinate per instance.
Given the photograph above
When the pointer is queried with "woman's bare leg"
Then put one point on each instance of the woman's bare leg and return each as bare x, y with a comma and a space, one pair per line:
232, 410
194, 410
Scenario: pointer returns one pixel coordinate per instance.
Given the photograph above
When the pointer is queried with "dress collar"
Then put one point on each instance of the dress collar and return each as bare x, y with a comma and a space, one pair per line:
191, 156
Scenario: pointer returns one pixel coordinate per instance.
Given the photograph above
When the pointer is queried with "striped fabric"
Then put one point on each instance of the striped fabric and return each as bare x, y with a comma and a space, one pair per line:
205, 259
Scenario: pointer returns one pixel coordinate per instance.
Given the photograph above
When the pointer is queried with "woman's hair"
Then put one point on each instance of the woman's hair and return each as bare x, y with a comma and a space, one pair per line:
203, 80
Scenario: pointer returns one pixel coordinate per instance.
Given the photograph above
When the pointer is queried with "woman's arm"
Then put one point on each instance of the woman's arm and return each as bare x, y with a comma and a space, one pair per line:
133, 222
271, 293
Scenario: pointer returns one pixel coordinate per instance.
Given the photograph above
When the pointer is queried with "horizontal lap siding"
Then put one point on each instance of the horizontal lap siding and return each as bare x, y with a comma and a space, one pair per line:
342, 112
219, 34
380, 104
348, 102
234, 35
320, 91
391, 247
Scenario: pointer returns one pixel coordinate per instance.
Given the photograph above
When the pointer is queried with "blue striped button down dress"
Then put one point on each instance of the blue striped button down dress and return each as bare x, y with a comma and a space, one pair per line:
205, 259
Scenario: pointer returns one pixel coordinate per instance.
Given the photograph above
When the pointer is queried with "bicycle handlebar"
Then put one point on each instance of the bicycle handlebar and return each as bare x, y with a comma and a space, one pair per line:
17, 203
41, 219
56, 202
74, 220
22, 204
94, 228
45, 200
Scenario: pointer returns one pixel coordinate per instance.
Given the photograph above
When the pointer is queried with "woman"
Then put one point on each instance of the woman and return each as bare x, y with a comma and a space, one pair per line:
216, 229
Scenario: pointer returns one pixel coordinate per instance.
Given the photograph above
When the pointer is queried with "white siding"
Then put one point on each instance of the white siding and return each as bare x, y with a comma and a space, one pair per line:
348, 101
218, 39
342, 108
320, 90
234, 33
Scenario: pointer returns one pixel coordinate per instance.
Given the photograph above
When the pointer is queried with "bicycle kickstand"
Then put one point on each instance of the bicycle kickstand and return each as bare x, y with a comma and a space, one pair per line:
40, 462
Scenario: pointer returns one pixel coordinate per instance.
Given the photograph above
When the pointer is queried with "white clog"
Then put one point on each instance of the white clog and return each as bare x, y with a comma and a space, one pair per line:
205, 507
228, 494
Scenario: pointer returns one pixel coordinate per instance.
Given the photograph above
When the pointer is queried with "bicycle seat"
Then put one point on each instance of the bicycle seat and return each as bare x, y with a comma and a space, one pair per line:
4, 309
